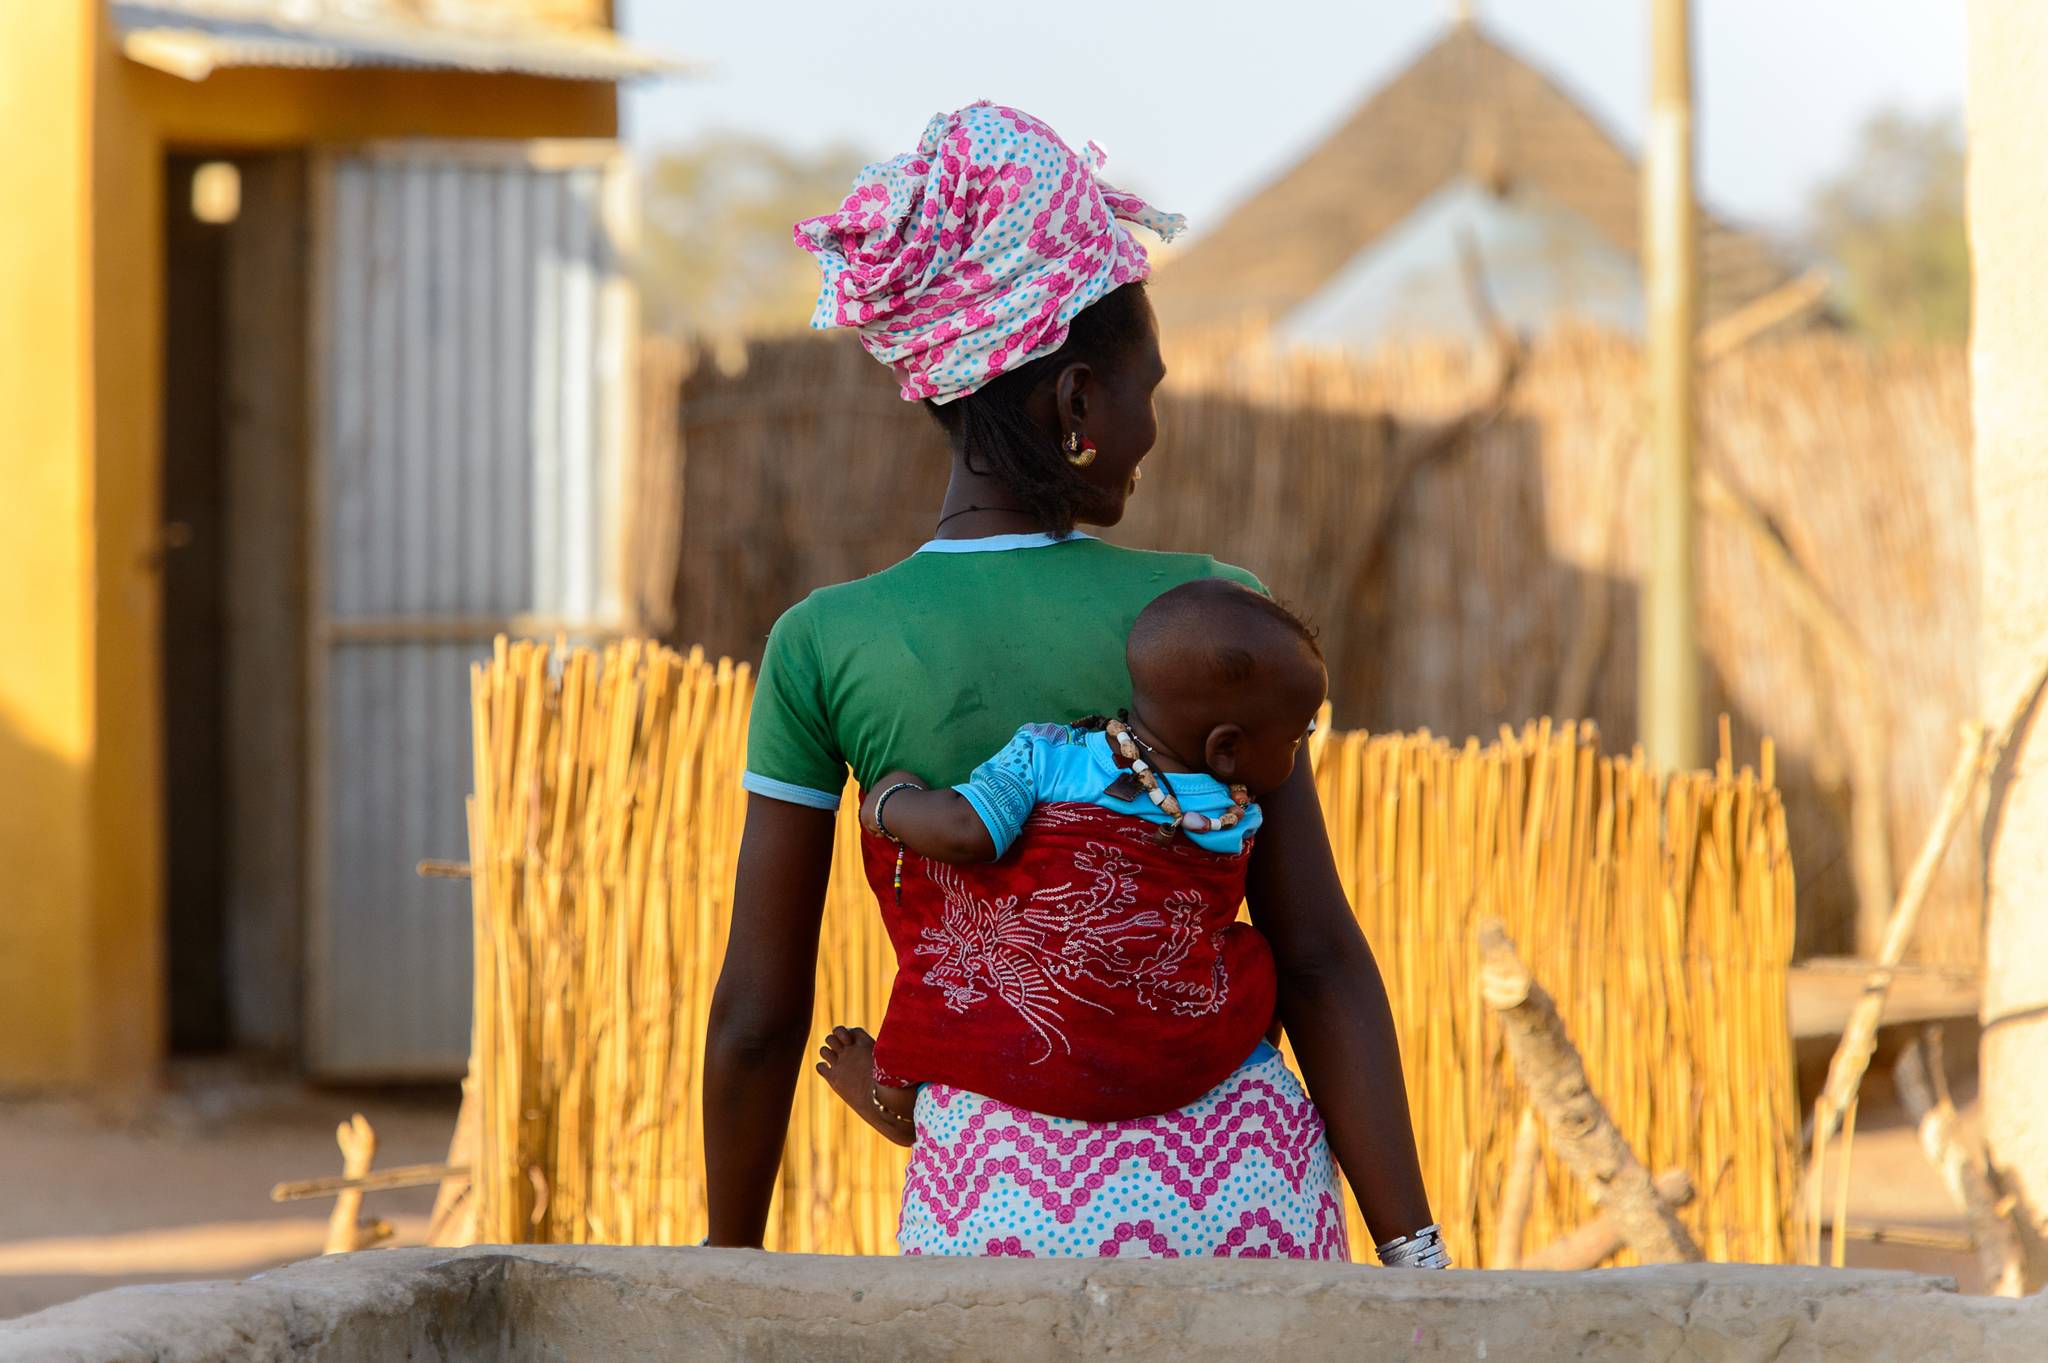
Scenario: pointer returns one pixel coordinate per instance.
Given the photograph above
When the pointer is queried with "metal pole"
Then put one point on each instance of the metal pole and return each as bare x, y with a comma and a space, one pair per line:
1668, 696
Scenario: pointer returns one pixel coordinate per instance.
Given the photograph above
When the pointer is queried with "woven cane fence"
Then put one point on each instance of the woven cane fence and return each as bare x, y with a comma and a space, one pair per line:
1461, 575
604, 830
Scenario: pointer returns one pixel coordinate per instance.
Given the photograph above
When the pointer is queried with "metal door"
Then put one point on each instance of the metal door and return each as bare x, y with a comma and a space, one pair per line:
472, 334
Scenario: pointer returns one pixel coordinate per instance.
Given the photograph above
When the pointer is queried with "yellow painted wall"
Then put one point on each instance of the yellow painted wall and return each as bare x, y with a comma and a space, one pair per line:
46, 736
83, 134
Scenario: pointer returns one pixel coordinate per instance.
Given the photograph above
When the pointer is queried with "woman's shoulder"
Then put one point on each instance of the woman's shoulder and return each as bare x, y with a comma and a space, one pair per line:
853, 600
1175, 567
857, 602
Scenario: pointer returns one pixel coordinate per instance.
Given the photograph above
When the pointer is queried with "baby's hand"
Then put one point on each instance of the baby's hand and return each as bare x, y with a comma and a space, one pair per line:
880, 788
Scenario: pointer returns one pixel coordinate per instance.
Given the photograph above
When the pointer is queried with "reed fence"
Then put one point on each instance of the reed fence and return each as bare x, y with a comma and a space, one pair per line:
604, 829
1471, 575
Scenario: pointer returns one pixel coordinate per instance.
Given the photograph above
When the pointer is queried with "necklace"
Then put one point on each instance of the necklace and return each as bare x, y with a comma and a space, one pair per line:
969, 510
1130, 745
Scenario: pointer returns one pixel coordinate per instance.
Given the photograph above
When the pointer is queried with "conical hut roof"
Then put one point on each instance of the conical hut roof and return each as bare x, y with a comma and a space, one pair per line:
1466, 107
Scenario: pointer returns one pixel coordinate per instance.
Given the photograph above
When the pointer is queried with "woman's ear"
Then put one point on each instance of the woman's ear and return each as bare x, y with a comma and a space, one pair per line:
1222, 751
1071, 392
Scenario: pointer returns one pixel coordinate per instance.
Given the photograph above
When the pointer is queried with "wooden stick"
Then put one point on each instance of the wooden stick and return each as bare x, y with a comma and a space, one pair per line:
1839, 1246
1962, 1170
1937, 1064
1915, 1237
443, 870
1593, 1243
1818, 1163
358, 1148
1668, 662
399, 1176
1859, 1038
1581, 1132
1518, 1190
453, 1221
1781, 305
2020, 710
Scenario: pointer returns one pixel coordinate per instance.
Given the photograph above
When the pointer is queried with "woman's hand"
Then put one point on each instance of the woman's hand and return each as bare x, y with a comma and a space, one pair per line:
880, 788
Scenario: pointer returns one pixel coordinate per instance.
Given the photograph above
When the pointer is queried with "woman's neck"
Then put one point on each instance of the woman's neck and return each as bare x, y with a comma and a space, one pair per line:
977, 506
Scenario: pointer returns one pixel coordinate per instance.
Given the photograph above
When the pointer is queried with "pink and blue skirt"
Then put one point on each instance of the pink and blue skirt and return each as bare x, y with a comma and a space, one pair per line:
1244, 1171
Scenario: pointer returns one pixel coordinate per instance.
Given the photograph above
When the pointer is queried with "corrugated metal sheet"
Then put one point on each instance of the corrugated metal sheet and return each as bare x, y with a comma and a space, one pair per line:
476, 336
192, 38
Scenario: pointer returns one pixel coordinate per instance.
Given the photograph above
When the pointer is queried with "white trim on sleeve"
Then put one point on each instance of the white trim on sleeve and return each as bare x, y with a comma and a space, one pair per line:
788, 792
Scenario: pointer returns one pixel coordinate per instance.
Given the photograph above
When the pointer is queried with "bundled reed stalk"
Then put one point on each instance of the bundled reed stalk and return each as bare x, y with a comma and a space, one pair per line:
604, 831
1659, 915
1489, 582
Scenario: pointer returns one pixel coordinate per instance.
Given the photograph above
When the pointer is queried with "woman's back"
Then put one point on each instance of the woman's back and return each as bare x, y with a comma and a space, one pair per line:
932, 664
995, 273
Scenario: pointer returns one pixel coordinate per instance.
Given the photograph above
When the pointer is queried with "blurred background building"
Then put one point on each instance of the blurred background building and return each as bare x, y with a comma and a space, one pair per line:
1357, 244
317, 342
322, 320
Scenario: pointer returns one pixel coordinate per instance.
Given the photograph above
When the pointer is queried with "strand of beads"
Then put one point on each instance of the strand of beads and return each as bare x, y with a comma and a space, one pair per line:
1127, 743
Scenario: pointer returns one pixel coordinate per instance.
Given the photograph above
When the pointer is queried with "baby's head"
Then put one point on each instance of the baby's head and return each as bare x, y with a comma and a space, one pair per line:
1227, 679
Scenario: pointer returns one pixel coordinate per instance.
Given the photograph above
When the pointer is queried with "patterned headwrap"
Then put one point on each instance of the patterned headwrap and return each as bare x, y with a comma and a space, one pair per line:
971, 255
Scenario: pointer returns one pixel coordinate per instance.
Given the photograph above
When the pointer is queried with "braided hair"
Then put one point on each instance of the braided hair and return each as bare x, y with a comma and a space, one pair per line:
992, 429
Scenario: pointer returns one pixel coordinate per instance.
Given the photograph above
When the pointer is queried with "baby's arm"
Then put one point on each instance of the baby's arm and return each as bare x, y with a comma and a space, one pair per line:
974, 821
939, 824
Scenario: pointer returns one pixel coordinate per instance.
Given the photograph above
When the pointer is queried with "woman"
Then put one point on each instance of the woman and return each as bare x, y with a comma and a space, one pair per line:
992, 271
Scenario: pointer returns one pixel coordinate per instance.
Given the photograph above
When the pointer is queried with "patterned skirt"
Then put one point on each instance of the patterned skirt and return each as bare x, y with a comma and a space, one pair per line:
1242, 1171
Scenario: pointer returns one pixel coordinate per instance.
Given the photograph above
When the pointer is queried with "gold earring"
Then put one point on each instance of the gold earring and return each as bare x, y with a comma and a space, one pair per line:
1080, 453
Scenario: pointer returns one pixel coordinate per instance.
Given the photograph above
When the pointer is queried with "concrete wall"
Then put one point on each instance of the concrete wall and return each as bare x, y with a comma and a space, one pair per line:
590, 1304
2008, 211
83, 134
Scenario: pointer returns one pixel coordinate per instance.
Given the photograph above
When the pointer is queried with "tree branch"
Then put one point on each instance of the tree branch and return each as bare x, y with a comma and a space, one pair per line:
1581, 1132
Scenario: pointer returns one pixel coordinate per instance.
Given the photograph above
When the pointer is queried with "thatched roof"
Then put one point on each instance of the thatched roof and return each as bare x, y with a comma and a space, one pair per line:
1466, 107
192, 39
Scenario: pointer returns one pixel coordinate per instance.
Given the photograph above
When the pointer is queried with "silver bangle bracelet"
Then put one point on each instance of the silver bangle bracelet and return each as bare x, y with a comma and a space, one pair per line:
1423, 1249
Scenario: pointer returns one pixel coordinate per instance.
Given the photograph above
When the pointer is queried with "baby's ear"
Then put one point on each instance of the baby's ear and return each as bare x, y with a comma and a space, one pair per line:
1222, 750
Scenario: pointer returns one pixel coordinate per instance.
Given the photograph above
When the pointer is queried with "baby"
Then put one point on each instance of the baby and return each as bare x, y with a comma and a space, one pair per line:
1105, 866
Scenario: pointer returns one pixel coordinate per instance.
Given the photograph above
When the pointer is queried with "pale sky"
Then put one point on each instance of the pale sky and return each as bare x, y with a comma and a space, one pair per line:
1200, 102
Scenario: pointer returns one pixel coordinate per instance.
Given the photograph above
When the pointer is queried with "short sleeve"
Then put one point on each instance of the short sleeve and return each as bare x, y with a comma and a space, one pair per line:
1004, 789
791, 752
1241, 577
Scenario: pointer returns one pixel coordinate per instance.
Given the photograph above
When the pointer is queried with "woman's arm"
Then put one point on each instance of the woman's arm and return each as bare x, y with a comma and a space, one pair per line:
1335, 1007
761, 1012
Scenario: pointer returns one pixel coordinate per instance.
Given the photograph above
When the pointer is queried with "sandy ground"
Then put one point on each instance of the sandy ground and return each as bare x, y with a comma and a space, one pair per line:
182, 1190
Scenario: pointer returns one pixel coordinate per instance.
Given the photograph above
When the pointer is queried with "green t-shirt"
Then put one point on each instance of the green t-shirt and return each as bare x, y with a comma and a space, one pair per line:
933, 664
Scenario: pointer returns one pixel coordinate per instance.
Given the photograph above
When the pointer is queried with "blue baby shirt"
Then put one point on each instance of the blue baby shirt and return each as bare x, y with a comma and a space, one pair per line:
1055, 763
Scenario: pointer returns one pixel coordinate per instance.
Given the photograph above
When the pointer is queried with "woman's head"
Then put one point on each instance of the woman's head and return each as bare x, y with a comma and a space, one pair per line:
1064, 433
988, 251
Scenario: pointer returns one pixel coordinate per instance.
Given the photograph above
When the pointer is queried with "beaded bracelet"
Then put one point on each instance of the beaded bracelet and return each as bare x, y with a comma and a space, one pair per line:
875, 1102
882, 829
882, 801
1423, 1249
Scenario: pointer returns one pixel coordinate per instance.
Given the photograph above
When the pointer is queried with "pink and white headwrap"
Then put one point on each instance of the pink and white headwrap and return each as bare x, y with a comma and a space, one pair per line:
971, 255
